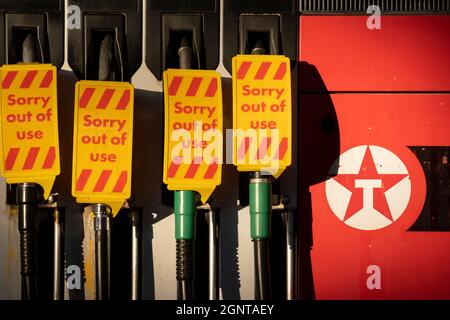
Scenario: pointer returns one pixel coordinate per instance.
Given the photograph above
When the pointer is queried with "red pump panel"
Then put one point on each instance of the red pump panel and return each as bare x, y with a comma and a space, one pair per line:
408, 53
367, 187
412, 265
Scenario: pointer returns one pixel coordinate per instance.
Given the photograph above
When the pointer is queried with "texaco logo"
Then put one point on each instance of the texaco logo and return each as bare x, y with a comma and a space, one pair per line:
369, 188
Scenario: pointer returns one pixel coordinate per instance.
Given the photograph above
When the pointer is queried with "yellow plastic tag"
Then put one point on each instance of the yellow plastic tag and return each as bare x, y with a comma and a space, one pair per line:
262, 113
193, 131
29, 125
102, 143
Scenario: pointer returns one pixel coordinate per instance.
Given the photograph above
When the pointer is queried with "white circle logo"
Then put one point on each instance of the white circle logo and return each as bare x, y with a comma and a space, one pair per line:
369, 187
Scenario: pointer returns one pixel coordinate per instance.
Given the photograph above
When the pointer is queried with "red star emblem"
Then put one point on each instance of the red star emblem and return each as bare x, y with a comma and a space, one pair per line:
368, 171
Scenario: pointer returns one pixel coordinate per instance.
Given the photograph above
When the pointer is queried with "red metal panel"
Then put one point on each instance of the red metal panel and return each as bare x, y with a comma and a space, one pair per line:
408, 53
413, 265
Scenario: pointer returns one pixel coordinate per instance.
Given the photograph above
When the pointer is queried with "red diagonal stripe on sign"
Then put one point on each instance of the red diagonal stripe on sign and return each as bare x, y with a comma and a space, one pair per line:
243, 69
193, 87
174, 166
262, 71
212, 169
102, 180
9, 78
175, 85
212, 88
279, 75
105, 99
124, 100
121, 182
193, 168
28, 80
11, 158
31, 158
281, 152
50, 158
83, 179
86, 97
263, 147
243, 148
48, 79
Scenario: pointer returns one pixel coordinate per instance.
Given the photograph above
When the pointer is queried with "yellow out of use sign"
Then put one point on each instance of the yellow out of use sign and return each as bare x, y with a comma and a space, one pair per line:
193, 130
102, 142
262, 113
29, 125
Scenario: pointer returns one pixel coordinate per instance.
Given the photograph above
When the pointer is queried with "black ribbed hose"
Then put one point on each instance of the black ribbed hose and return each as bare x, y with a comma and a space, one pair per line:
28, 206
102, 250
263, 290
185, 269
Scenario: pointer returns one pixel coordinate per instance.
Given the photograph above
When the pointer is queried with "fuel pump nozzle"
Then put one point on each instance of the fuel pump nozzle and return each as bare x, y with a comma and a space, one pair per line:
28, 197
185, 212
260, 214
260, 196
102, 212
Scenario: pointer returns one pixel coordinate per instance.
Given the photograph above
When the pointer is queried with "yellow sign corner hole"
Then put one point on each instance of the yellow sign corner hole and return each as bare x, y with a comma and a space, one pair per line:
102, 143
262, 113
29, 125
193, 138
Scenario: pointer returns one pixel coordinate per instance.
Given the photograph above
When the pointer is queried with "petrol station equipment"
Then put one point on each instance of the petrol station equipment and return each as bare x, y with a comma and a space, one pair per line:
193, 168
262, 120
30, 152
105, 48
262, 143
187, 35
30, 147
345, 172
